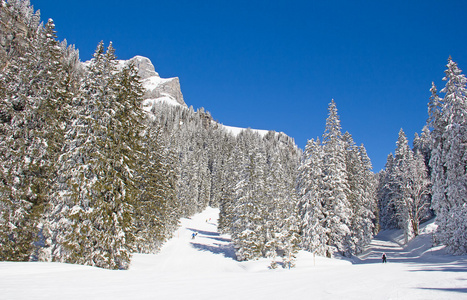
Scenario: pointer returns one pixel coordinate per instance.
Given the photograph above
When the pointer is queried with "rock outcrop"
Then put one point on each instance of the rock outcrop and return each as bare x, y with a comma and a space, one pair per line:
157, 88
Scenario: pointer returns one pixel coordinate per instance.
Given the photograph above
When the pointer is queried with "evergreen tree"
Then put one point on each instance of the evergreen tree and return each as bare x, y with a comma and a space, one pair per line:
35, 104
422, 146
335, 185
232, 176
448, 160
312, 210
282, 233
336, 193
411, 179
100, 166
387, 189
152, 210
249, 230
361, 195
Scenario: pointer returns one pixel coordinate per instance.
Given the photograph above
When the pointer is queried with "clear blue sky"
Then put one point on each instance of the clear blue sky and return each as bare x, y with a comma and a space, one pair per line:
277, 64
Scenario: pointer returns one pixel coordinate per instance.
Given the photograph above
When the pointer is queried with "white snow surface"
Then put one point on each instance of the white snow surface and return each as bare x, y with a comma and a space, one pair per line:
153, 82
149, 103
204, 268
236, 130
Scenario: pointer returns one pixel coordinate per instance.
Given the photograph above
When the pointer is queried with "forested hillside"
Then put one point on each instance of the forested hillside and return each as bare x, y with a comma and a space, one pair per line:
88, 175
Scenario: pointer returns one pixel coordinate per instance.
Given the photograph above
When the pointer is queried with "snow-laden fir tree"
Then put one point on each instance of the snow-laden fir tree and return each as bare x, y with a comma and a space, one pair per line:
35, 97
448, 119
282, 228
233, 172
386, 191
143, 166
312, 211
156, 208
362, 188
258, 206
93, 222
336, 192
411, 180
404, 190
249, 224
422, 145
335, 185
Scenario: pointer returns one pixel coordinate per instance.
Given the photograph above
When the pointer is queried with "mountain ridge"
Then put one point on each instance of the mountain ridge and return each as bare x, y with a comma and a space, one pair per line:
168, 90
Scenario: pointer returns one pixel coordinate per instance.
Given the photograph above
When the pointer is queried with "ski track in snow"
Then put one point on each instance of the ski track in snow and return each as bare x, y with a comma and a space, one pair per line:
205, 268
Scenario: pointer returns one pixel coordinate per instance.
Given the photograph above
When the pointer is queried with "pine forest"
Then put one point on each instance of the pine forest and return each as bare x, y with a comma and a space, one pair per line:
87, 176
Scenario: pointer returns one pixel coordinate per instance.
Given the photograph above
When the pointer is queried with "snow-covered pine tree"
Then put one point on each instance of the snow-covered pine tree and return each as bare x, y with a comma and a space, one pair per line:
233, 171
56, 85
35, 105
422, 145
448, 118
17, 224
336, 193
411, 181
152, 206
361, 195
18, 211
139, 164
289, 156
281, 222
336, 186
403, 160
369, 186
100, 162
249, 230
386, 191
274, 197
311, 206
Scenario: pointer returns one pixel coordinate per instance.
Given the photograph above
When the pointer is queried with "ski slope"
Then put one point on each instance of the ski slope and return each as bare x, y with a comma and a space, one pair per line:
204, 268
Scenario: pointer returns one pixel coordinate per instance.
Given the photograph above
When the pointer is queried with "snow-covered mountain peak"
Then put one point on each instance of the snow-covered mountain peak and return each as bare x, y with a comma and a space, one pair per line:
157, 89
167, 90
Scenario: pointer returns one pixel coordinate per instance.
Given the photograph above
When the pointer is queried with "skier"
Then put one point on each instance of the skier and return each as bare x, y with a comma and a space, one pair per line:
193, 236
384, 258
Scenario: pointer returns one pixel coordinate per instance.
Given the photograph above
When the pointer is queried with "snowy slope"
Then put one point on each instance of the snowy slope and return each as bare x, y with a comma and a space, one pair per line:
204, 268
237, 130
165, 90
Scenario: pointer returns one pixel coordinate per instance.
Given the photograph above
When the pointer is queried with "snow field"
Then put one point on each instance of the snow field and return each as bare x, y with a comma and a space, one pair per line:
205, 268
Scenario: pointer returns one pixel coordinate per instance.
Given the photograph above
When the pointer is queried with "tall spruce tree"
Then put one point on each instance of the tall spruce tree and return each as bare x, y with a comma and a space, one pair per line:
336, 193
361, 195
312, 210
249, 228
411, 179
35, 105
335, 185
386, 191
100, 164
448, 159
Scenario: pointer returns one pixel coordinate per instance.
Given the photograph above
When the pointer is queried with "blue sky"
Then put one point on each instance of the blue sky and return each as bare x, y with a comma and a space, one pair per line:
277, 64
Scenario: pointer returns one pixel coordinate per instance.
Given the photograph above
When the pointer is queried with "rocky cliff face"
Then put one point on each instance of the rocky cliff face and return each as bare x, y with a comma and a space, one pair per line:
157, 88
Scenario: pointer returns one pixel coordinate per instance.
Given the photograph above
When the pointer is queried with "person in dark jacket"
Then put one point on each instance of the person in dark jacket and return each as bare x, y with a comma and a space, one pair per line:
384, 258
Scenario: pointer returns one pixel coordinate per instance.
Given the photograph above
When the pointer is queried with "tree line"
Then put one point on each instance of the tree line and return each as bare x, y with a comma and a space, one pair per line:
84, 176
431, 178
88, 177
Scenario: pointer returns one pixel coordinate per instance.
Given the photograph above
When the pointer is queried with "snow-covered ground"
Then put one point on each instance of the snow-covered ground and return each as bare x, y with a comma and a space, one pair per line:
204, 268
237, 130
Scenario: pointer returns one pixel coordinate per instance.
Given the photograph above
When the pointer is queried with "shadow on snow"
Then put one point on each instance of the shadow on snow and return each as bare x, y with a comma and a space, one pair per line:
455, 290
203, 232
226, 249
